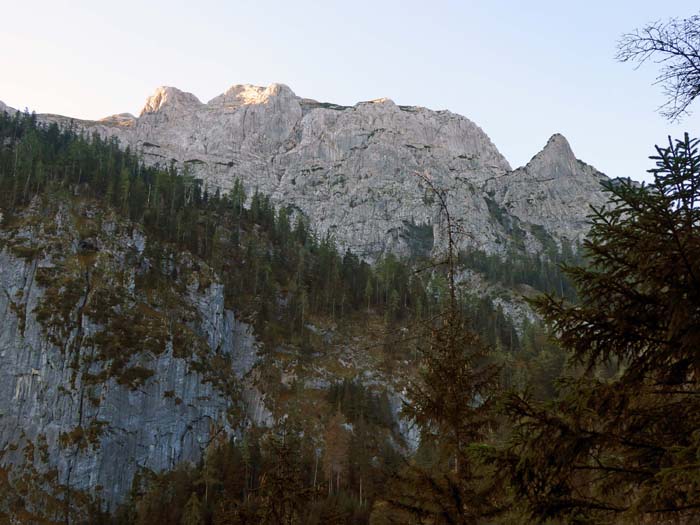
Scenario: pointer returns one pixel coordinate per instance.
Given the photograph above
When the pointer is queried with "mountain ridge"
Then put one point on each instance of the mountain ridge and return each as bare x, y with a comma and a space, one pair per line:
352, 169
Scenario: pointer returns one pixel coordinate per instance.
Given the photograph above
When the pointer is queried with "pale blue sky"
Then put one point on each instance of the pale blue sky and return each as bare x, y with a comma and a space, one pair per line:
521, 70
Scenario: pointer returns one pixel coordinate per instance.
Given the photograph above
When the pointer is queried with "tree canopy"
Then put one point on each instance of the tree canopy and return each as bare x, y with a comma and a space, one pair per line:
622, 444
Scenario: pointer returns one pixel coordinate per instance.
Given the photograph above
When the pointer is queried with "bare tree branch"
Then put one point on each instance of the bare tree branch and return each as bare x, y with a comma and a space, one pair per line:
675, 45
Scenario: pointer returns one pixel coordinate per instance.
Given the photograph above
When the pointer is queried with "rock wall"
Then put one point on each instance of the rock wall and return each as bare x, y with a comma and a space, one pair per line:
352, 170
96, 406
555, 190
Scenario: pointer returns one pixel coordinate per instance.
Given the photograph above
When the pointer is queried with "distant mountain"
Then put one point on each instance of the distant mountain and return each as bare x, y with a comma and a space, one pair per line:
351, 170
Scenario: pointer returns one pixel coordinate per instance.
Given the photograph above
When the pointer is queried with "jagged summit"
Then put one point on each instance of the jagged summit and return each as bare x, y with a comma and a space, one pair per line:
557, 139
243, 94
120, 119
557, 147
167, 97
554, 189
352, 169
381, 100
555, 160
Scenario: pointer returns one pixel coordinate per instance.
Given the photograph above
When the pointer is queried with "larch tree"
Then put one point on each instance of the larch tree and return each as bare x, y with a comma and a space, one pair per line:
193, 511
335, 456
452, 403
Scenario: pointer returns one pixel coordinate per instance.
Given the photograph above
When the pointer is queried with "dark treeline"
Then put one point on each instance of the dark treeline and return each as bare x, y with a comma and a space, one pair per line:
278, 476
540, 271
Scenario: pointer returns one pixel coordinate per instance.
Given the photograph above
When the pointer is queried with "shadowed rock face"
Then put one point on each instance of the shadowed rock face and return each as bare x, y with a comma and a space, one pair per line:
94, 402
352, 170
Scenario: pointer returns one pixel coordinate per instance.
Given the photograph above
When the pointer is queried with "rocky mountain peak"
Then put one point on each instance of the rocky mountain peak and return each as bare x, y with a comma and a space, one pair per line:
382, 100
558, 146
557, 140
169, 98
351, 169
245, 94
556, 159
553, 190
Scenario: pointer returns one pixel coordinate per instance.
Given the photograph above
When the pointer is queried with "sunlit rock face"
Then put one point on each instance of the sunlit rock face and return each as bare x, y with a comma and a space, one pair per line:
353, 170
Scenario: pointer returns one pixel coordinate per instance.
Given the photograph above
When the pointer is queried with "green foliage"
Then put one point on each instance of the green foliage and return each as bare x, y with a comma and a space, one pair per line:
622, 442
272, 478
357, 403
544, 272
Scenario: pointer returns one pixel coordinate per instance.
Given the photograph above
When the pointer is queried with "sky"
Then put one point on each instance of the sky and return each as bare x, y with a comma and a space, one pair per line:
521, 70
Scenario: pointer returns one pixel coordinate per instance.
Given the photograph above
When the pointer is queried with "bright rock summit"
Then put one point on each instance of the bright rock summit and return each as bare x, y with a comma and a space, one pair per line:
352, 170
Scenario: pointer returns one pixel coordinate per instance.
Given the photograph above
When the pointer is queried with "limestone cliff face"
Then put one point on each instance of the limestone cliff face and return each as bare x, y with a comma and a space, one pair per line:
352, 170
554, 189
105, 368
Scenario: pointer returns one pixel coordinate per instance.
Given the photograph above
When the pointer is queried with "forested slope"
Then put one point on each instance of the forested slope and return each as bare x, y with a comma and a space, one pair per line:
154, 298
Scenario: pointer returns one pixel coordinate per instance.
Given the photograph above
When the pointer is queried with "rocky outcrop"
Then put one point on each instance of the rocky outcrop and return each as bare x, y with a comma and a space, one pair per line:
554, 189
352, 170
7, 109
105, 369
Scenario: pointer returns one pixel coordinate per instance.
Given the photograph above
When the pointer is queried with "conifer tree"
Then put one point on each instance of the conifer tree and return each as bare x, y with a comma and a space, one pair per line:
452, 405
283, 488
624, 447
193, 511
